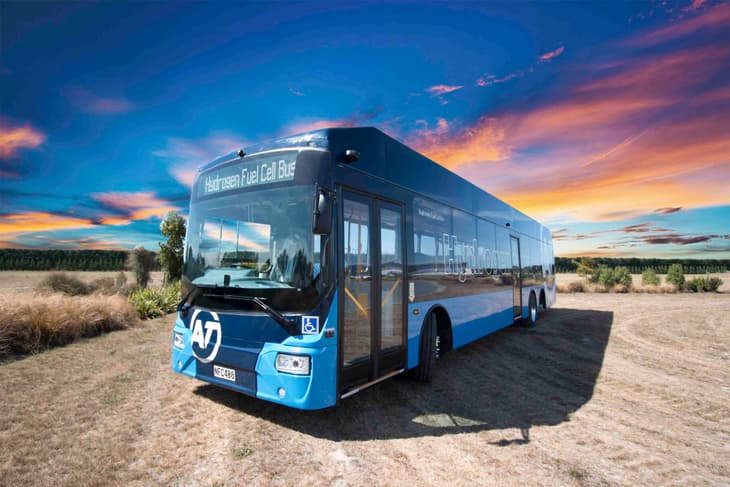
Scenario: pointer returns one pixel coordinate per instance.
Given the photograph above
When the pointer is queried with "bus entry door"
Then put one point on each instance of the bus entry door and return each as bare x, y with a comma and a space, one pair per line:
373, 289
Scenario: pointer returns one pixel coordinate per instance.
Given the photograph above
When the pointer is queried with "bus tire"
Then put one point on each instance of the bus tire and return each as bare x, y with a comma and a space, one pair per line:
427, 350
531, 319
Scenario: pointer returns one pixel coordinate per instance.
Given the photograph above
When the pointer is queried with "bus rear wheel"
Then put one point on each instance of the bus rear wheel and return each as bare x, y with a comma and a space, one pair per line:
427, 352
531, 319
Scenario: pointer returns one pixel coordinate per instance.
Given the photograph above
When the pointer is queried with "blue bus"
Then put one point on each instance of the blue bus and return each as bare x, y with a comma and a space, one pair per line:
320, 264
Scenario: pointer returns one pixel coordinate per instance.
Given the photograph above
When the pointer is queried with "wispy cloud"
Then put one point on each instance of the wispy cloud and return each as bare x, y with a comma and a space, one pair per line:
14, 138
129, 206
437, 90
89, 102
549, 56
36, 221
455, 146
296, 92
492, 79
184, 156
710, 19
352, 120
668, 210
678, 239
627, 131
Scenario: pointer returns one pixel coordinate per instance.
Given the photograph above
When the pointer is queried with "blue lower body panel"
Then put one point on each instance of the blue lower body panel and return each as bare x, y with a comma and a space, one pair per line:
254, 364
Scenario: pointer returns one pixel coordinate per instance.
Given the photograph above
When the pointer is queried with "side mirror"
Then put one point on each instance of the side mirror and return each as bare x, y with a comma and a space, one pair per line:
322, 214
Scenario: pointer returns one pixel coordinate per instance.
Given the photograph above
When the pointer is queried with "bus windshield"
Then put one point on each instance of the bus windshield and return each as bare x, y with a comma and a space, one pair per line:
254, 240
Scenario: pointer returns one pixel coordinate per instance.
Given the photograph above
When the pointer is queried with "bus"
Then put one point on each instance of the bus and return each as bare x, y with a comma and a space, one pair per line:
320, 264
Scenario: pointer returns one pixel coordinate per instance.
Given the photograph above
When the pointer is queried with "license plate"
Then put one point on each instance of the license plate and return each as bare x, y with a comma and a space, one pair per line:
224, 373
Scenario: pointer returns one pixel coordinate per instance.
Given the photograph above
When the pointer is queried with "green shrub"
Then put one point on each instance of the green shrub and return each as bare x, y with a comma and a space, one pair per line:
585, 266
151, 303
649, 278
608, 278
713, 284
63, 283
703, 284
675, 275
622, 275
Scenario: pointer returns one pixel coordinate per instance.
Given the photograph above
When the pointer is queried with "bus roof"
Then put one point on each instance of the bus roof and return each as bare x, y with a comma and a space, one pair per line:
386, 158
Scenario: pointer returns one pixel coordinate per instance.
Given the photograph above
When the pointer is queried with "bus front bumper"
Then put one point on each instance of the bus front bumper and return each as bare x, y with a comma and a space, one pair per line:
316, 390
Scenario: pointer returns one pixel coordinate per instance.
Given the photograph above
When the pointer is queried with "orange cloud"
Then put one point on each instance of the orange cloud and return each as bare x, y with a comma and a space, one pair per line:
133, 206
13, 139
712, 19
640, 135
483, 142
40, 222
549, 56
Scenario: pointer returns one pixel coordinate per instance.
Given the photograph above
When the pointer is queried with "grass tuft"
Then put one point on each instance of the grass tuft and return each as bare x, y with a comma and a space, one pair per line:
61, 282
242, 452
30, 323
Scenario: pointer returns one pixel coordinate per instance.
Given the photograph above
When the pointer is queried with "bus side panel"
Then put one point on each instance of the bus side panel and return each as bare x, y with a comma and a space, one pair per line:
472, 317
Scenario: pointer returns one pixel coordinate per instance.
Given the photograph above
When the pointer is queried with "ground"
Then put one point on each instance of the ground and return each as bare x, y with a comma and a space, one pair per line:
606, 390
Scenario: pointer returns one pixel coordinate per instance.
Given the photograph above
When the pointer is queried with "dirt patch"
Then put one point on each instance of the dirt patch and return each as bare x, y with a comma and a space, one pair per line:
608, 389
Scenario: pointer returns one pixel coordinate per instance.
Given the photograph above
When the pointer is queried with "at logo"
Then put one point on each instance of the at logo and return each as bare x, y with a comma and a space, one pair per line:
206, 336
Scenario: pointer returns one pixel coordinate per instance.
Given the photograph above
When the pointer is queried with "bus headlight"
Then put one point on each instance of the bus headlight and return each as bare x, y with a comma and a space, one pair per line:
178, 341
292, 364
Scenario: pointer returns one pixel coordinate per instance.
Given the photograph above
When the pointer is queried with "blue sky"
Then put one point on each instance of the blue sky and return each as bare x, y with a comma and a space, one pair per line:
606, 121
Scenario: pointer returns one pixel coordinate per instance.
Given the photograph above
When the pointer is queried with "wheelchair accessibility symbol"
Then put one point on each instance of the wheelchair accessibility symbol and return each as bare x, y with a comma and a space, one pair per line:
310, 325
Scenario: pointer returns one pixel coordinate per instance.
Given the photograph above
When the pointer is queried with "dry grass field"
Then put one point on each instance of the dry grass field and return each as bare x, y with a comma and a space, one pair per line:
607, 390
21, 281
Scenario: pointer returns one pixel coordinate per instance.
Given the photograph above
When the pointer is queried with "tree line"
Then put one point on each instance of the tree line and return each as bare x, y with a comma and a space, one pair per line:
64, 260
637, 266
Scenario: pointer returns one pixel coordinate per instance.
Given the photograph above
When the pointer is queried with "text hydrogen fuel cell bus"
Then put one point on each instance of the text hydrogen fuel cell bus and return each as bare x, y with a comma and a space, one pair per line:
320, 264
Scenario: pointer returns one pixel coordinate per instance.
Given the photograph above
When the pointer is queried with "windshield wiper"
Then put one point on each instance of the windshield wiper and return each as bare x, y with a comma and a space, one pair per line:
287, 324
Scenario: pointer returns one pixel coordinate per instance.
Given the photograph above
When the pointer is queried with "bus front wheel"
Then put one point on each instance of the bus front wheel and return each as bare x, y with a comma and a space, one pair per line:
427, 350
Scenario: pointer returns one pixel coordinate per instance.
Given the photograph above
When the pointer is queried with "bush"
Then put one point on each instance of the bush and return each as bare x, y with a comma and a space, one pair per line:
703, 284
599, 288
675, 275
621, 288
649, 278
607, 277
141, 261
713, 284
151, 303
104, 285
31, 323
63, 283
622, 276
576, 287
585, 266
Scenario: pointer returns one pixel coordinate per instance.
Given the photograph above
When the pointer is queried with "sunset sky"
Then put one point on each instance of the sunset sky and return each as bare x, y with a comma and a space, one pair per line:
608, 122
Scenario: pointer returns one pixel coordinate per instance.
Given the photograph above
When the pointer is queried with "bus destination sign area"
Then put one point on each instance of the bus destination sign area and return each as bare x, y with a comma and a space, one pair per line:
258, 171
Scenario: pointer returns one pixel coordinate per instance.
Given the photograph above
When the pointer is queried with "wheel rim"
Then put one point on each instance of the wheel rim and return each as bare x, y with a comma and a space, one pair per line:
533, 309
